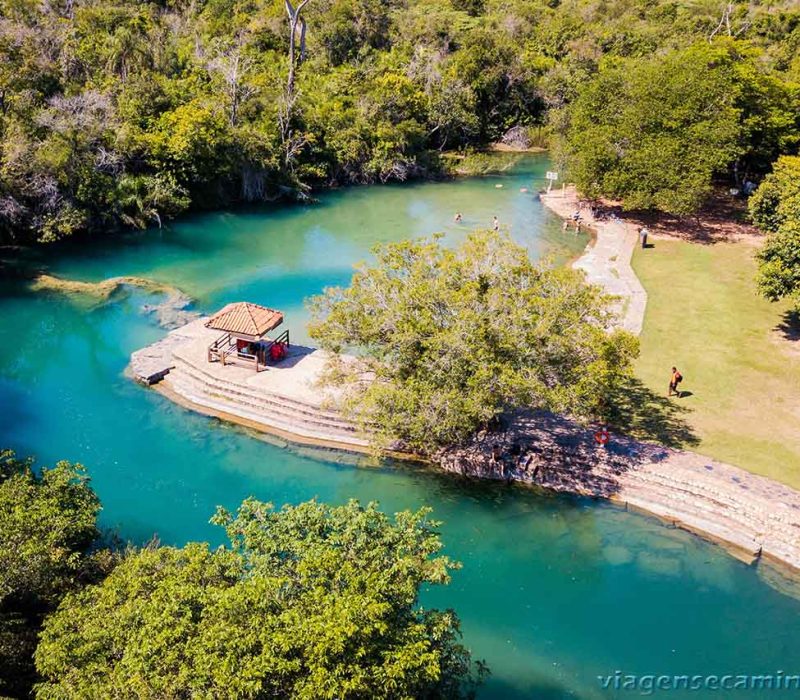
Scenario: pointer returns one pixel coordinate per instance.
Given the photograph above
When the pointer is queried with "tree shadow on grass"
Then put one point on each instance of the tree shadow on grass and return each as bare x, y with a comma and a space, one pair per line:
789, 327
643, 414
722, 218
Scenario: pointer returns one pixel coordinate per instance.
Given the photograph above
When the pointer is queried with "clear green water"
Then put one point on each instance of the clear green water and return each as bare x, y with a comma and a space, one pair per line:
554, 591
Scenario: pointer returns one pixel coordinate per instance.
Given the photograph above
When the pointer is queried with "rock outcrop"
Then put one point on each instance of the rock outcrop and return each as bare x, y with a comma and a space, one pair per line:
753, 516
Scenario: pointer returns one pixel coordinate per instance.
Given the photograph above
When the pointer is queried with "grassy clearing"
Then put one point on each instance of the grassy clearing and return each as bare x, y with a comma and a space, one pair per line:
739, 355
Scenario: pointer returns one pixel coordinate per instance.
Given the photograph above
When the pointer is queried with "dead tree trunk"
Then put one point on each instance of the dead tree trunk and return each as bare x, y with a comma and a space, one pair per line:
295, 19
292, 145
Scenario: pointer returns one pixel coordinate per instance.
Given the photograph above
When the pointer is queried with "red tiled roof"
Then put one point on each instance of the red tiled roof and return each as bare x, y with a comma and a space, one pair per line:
244, 318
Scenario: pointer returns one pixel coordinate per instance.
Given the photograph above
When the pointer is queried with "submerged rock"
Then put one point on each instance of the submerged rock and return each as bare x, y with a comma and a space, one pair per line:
172, 312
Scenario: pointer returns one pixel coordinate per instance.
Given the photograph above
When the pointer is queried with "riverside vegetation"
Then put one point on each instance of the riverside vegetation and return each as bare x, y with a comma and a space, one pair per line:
117, 113
451, 339
308, 601
125, 113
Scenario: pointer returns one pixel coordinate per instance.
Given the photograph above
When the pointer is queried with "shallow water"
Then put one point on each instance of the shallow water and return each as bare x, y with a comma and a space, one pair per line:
554, 591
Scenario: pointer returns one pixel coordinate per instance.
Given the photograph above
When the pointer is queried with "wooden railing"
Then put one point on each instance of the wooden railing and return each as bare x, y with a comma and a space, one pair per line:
221, 348
283, 338
225, 346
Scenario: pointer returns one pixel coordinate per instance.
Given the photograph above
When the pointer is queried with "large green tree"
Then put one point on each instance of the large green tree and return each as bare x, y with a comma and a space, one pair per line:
47, 529
775, 209
308, 602
655, 132
447, 339
125, 113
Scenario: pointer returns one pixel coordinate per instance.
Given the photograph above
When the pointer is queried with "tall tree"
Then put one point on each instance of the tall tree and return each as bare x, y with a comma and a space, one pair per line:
296, 21
654, 132
446, 340
48, 524
775, 208
311, 601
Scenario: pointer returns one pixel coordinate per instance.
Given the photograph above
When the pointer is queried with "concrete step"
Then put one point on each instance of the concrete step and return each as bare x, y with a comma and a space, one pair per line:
186, 383
306, 429
268, 406
263, 403
283, 401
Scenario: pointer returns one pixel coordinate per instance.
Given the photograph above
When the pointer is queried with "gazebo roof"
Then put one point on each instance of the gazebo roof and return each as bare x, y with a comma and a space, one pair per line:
244, 318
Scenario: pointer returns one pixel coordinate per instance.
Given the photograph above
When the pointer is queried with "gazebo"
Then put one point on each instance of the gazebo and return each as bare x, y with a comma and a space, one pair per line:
244, 340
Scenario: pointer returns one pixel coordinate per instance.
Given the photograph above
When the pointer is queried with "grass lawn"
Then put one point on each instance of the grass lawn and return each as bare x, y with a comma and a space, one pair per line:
739, 355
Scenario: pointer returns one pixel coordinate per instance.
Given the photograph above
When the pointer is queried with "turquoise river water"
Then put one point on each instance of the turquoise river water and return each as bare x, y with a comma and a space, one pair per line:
555, 592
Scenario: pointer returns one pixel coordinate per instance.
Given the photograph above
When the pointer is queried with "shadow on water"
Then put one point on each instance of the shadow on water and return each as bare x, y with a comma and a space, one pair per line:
646, 415
501, 690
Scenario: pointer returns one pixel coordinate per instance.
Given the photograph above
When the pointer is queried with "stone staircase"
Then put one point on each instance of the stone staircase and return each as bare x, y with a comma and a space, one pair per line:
275, 412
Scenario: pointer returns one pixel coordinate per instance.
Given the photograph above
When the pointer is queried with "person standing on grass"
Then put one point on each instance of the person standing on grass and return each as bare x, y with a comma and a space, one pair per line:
674, 381
496, 224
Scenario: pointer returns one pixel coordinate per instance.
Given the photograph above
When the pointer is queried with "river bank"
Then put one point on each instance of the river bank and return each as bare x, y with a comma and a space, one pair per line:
541, 571
607, 260
753, 516
710, 497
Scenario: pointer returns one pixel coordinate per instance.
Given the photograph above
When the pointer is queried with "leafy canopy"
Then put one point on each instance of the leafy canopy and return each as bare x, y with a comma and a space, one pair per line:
47, 526
311, 601
655, 132
775, 209
447, 339
116, 112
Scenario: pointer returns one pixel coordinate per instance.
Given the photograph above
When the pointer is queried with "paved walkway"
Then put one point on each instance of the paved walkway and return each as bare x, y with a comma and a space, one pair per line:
752, 515
607, 262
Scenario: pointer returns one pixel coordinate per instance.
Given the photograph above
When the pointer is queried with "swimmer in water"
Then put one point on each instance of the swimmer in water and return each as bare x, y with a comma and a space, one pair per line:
457, 217
496, 224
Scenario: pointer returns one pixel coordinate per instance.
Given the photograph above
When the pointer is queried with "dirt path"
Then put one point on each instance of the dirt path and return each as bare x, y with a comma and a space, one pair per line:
607, 262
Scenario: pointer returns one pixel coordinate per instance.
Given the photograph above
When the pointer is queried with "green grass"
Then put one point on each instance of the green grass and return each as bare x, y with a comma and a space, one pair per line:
737, 357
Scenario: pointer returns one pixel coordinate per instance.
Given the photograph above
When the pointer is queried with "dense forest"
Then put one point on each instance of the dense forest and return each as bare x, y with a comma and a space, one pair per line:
125, 112
330, 597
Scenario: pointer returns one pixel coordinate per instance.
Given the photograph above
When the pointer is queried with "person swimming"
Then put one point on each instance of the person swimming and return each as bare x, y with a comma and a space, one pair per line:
457, 218
495, 224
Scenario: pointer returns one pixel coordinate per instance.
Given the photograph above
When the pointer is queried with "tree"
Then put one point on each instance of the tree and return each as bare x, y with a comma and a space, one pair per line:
107, 107
447, 340
311, 601
655, 132
775, 209
48, 525
777, 200
779, 264
296, 20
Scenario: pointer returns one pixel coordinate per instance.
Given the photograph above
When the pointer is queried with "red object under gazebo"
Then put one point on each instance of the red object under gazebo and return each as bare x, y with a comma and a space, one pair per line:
245, 326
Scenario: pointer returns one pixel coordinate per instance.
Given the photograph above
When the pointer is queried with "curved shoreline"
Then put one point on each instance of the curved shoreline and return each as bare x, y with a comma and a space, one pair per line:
606, 261
753, 517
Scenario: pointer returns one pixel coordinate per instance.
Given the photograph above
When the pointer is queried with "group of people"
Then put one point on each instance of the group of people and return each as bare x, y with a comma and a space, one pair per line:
495, 221
576, 219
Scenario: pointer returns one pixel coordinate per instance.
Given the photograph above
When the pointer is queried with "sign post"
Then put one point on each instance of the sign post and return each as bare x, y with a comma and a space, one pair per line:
551, 178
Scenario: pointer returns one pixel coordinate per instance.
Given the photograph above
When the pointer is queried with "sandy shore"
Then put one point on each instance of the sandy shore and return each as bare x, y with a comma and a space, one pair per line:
607, 261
